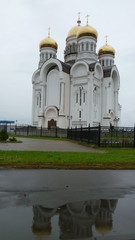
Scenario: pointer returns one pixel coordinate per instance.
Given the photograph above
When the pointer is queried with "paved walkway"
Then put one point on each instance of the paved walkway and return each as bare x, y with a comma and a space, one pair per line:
46, 145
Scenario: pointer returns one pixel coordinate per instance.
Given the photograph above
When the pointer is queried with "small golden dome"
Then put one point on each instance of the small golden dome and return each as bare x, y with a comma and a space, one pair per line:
106, 49
87, 31
48, 42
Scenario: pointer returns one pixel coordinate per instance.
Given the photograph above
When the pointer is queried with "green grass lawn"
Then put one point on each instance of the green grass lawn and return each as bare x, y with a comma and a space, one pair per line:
110, 158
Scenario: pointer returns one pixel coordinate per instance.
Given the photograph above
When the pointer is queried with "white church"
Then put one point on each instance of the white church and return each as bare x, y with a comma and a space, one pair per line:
82, 90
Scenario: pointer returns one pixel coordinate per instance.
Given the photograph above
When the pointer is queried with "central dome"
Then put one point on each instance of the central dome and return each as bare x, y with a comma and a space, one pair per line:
73, 31
87, 31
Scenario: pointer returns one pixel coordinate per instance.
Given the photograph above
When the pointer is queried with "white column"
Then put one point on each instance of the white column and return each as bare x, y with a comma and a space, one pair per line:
116, 103
62, 96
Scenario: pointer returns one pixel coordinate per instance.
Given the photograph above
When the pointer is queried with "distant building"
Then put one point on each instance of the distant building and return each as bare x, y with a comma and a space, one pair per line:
83, 89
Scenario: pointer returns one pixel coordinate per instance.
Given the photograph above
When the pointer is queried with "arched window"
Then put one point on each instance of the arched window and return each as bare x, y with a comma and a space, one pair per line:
84, 97
91, 46
74, 47
76, 97
80, 96
87, 46
102, 62
46, 56
82, 46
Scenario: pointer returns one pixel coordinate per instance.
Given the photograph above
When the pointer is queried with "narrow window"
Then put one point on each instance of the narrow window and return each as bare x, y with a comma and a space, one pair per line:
82, 46
107, 62
76, 97
80, 114
87, 47
84, 97
74, 47
46, 56
92, 47
80, 96
103, 62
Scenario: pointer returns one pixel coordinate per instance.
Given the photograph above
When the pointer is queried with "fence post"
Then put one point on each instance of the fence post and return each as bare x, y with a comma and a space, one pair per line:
27, 130
56, 132
134, 135
99, 134
41, 132
89, 134
15, 129
81, 134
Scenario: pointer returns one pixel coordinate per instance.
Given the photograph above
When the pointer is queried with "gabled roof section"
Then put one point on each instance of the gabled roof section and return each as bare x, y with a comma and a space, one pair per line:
65, 67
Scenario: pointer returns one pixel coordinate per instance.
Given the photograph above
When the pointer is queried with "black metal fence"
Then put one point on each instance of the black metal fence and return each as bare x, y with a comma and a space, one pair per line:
99, 136
91, 135
117, 136
104, 136
39, 131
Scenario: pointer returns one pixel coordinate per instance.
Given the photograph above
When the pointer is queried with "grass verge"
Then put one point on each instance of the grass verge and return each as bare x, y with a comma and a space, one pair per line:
109, 159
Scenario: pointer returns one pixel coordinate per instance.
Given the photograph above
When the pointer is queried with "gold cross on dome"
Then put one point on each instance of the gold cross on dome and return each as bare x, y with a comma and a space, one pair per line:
106, 41
49, 32
79, 15
79, 21
87, 17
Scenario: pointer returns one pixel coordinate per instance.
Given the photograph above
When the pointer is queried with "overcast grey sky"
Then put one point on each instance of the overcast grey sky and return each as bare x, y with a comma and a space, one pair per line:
24, 23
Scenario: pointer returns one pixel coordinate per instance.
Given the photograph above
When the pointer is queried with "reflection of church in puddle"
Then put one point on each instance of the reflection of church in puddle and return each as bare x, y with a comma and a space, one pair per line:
83, 89
76, 220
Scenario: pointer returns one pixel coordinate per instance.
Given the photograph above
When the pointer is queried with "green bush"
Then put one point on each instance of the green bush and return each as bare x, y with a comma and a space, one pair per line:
12, 139
3, 135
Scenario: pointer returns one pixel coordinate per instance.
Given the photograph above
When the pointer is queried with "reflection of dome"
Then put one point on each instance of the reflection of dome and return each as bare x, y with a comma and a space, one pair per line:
41, 223
41, 232
106, 49
87, 31
103, 229
48, 42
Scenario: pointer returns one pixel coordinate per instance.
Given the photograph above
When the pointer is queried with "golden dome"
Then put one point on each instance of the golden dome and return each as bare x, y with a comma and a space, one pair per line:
74, 31
106, 49
48, 42
87, 31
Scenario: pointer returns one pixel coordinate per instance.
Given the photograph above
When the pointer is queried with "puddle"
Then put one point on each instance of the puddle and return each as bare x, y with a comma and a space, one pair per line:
83, 207
90, 219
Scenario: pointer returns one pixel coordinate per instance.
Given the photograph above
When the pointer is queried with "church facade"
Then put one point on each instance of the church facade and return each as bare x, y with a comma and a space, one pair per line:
81, 90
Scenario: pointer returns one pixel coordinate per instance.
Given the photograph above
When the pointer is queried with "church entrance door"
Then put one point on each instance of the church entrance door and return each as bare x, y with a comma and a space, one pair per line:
51, 123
